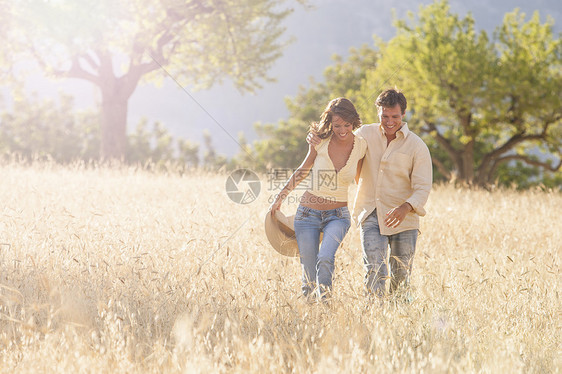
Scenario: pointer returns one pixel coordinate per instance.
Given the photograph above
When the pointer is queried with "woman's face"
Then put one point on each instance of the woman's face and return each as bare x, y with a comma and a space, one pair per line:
342, 130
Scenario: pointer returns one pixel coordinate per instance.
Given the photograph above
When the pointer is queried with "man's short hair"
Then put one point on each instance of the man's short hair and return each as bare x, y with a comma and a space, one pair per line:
389, 98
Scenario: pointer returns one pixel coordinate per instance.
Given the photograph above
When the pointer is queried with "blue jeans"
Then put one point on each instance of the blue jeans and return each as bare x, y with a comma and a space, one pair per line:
375, 249
317, 258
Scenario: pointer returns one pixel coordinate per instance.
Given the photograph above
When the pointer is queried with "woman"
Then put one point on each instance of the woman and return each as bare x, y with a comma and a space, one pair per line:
333, 164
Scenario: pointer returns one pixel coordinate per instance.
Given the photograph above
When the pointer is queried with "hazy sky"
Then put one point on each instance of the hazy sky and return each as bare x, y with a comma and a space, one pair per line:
332, 27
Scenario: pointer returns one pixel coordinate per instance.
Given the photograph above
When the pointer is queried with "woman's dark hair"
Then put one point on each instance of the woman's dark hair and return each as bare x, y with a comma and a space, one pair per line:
341, 107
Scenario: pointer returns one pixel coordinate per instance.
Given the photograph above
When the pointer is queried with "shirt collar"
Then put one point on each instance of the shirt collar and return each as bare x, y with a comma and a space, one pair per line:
404, 130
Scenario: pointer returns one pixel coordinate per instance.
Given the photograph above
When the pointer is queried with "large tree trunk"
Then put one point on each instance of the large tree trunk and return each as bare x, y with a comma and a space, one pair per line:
467, 171
467, 174
113, 126
115, 93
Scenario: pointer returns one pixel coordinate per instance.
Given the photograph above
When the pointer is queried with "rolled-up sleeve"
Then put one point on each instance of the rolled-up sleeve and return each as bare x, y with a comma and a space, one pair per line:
421, 179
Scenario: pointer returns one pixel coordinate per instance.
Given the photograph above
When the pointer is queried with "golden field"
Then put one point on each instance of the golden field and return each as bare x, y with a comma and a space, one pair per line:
119, 270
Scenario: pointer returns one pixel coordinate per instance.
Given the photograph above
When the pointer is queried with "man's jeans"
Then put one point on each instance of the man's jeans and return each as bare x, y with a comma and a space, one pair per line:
375, 249
318, 259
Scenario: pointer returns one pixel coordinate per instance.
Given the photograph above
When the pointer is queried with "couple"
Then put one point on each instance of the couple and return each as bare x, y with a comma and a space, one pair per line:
392, 167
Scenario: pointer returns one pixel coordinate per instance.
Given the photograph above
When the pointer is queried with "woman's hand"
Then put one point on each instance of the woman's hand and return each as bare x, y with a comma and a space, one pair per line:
275, 206
299, 174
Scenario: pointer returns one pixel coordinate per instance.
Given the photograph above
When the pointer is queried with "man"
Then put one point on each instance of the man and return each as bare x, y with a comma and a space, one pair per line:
393, 187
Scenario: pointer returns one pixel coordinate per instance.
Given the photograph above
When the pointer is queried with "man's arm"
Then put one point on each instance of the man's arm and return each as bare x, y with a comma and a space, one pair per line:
313, 139
421, 180
359, 168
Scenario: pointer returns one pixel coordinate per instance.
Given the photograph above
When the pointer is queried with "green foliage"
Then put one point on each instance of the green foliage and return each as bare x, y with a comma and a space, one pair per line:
52, 129
285, 146
44, 129
7, 51
188, 153
483, 102
155, 144
212, 160
198, 43
522, 176
201, 42
489, 108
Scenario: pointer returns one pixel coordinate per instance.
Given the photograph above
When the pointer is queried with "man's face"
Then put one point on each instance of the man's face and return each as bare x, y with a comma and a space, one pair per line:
391, 119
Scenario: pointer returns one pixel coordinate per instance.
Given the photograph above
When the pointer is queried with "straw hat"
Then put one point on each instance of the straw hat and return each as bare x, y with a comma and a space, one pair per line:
280, 231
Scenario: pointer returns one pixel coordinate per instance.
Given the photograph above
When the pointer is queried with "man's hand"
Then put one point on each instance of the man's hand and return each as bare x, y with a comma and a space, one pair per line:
396, 216
313, 139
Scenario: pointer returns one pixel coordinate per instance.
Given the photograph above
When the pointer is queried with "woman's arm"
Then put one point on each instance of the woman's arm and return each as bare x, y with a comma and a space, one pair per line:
298, 176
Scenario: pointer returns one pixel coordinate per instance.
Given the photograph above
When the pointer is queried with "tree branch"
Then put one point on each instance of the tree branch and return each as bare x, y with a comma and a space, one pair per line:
521, 137
444, 142
455, 155
544, 164
90, 60
552, 118
442, 169
176, 19
76, 71
231, 37
507, 146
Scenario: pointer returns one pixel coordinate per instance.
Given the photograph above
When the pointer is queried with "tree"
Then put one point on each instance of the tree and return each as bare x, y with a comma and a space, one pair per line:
149, 144
114, 45
481, 103
7, 51
44, 129
51, 129
154, 144
188, 153
212, 160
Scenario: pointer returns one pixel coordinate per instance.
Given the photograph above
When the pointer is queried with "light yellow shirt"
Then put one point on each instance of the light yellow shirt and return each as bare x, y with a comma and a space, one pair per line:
324, 181
392, 175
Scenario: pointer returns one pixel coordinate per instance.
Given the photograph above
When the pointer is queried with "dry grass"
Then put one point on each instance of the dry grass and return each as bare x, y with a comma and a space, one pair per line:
117, 270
